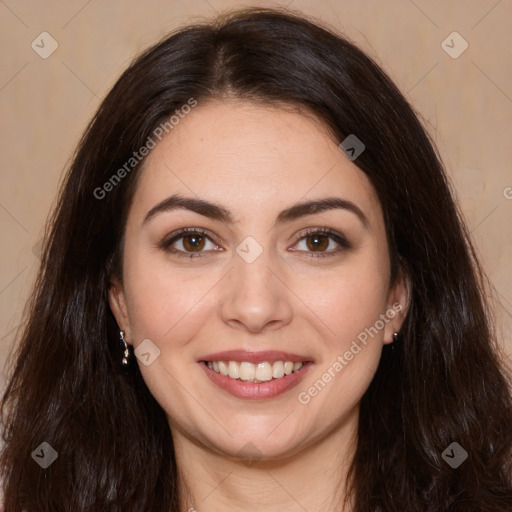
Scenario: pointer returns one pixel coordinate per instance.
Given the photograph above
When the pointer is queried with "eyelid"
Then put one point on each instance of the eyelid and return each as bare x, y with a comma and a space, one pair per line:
324, 231
181, 233
334, 235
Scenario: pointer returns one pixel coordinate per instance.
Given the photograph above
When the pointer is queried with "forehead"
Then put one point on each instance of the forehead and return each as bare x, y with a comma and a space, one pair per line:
253, 158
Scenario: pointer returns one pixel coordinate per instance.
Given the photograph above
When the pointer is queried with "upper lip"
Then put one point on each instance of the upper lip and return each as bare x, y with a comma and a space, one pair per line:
270, 356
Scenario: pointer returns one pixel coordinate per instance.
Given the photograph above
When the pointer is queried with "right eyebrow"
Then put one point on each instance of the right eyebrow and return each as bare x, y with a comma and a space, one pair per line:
200, 206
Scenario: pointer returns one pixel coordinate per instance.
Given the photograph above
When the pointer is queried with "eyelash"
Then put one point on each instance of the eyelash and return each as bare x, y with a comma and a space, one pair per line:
337, 237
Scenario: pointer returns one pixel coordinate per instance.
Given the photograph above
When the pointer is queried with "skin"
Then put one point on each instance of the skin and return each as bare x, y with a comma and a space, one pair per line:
256, 161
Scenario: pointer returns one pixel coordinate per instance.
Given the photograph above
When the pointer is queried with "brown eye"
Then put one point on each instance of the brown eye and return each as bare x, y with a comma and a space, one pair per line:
323, 242
193, 243
189, 242
317, 242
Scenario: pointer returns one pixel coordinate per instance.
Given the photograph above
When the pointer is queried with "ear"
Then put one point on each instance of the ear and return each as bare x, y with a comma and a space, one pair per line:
117, 302
398, 305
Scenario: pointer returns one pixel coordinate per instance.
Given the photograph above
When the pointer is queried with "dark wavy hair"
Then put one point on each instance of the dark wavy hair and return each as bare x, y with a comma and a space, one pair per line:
446, 380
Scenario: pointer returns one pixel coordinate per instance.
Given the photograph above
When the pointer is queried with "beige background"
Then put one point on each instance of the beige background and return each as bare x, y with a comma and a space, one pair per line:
45, 104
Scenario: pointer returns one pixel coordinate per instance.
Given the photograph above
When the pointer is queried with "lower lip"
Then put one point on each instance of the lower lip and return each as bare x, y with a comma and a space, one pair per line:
253, 390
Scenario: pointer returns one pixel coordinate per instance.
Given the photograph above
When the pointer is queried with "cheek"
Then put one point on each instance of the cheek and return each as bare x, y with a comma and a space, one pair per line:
350, 305
164, 302
169, 308
351, 299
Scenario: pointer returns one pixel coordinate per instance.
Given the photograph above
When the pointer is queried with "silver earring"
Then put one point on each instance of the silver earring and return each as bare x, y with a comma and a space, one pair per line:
126, 354
395, 337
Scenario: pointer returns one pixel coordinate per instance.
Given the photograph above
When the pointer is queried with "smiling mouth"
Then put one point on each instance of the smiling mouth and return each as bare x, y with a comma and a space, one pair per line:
256, 373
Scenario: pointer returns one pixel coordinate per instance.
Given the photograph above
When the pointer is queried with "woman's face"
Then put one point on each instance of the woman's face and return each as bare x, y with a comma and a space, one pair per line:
248, 278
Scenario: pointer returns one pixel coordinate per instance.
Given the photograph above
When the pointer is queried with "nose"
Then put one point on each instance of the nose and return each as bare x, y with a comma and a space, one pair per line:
256, 297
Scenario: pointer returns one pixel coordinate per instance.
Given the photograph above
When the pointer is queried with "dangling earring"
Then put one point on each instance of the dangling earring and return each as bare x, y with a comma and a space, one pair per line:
126, 354
395, 338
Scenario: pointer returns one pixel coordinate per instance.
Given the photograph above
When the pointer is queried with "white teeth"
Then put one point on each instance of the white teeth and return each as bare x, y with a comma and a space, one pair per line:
247, 371
234, 369
264, 371
260, 372
278, 370
223, 368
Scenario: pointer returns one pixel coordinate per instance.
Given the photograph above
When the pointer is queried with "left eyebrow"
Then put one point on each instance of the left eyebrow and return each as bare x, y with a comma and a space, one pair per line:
320, 205
217, 212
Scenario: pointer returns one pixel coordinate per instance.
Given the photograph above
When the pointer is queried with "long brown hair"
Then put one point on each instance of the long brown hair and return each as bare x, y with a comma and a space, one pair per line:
442, 383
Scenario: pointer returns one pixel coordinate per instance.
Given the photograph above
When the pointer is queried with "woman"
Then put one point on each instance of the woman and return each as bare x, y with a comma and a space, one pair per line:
257, 293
